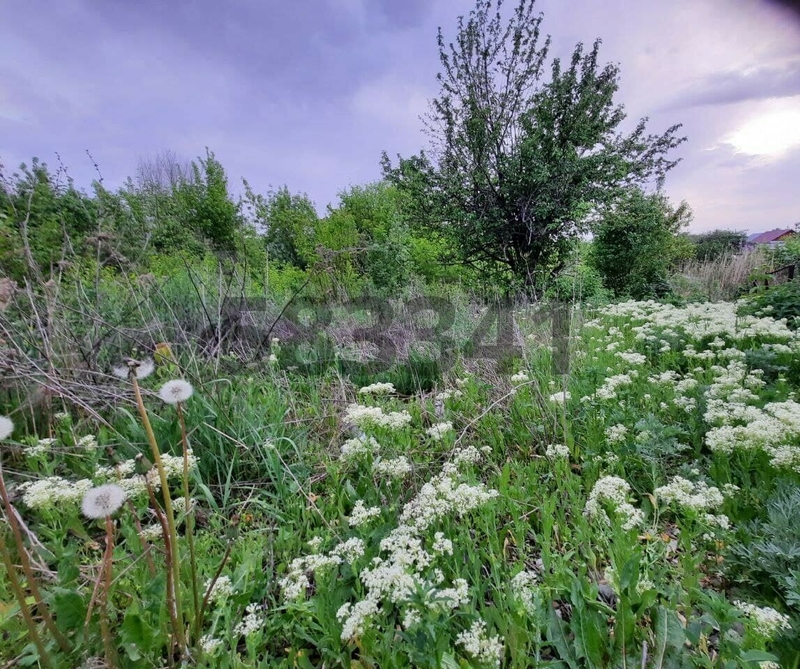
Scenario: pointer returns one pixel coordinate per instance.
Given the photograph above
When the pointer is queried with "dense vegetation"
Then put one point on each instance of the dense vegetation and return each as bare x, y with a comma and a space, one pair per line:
439, 426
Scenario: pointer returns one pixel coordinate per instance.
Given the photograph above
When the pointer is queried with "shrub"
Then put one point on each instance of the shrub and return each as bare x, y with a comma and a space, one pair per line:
781, 301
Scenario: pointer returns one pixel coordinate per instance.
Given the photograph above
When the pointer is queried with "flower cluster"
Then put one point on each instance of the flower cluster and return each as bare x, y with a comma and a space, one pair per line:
484, 648
766, 620
397, 468
54, 492
437, 432
555, 451
362, 514
358, 446
363, 416
40, 448
694, 496
377, 389
523, 586
220, 591
252, 622
6, 427
613, 491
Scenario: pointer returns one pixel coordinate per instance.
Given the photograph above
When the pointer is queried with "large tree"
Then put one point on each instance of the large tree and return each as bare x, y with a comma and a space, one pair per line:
517, 165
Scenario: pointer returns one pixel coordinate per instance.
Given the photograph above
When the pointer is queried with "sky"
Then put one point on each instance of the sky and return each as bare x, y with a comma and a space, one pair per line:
308, 93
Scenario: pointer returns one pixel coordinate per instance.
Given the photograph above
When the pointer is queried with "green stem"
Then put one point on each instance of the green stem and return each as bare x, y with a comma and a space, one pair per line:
19, 593
26, 567
108, 644
189, 521
173, 535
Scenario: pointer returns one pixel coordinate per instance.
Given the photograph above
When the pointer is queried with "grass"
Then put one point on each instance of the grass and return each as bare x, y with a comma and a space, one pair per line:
488, 552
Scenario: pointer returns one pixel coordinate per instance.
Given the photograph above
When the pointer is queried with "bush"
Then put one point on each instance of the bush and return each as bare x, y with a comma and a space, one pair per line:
781, 301
636, 243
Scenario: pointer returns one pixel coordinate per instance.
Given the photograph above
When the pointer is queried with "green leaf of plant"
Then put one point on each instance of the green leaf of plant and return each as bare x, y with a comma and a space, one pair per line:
69, 609
758, 656
448, 662
669, 634
557, 635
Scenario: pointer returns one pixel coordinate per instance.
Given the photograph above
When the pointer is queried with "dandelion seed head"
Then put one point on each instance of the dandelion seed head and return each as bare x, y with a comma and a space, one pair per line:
141, 369
175, 391
102, 501
6, 427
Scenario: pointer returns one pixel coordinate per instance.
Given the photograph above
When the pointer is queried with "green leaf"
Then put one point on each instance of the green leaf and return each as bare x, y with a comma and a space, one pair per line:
758, 656
69, 609
448, 662
557, 635
669, 634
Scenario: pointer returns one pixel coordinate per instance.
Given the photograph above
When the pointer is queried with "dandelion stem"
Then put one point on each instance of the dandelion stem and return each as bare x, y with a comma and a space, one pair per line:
19, 593
173, 535
26, 568
168, 557
213, 582
108, 644
189, 521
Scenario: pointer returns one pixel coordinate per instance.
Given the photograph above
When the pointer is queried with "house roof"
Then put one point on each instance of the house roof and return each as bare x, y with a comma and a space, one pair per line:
769, 236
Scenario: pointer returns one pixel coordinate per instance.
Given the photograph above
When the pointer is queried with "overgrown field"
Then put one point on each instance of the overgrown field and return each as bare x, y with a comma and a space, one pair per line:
641, 510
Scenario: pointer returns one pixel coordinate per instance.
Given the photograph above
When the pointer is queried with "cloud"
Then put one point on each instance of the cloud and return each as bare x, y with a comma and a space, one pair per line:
309, 93
728, 87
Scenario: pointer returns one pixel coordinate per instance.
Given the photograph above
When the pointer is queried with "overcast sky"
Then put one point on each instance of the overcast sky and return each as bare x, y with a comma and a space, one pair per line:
309, 92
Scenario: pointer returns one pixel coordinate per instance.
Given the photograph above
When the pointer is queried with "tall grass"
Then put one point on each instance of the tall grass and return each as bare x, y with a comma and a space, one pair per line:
723, 278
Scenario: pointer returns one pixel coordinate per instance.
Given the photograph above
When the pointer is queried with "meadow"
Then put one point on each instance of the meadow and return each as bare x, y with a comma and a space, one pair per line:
305, 506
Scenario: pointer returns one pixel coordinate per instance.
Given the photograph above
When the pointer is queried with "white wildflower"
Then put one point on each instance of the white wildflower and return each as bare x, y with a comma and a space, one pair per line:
209, 644
523, 587
555, 451
437, 432
442, 545
252, 622
221, 590
354, 616
357, 446
695, 496
151, 533
349, 550
476, 642
411, 617
362, 514
561, 397
395, 468
766, 620
616, 433
614, 491
377, 389
520, 377
88, 442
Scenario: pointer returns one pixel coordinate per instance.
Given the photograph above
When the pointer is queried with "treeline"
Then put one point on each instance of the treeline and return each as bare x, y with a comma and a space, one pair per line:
174, 212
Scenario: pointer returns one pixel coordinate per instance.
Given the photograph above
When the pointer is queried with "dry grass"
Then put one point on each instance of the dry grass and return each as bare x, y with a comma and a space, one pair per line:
722, 278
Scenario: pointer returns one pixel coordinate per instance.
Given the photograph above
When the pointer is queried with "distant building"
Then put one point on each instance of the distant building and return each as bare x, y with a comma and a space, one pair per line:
771, 237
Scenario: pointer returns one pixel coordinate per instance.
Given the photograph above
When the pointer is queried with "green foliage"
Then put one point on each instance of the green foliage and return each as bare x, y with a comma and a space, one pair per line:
778, 301
42, 217
289, 224
768, 556
521, 163
636, 243
579, 281
717, 243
